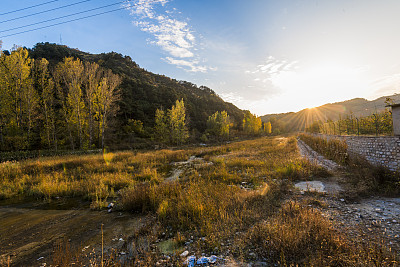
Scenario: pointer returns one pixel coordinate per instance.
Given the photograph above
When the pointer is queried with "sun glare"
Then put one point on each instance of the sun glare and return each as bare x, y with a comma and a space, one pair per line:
315, 86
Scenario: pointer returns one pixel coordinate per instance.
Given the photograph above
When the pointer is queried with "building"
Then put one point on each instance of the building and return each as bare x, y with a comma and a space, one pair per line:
396, 119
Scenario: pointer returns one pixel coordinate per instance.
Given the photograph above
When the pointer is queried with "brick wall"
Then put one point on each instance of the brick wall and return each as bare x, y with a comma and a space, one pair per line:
382, 150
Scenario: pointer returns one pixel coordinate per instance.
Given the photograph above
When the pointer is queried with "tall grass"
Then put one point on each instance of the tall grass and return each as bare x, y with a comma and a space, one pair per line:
239, 203
334, 149
363, 178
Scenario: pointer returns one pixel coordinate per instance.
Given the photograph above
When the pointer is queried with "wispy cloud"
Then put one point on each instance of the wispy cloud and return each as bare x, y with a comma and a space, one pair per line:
273, 66
172, 35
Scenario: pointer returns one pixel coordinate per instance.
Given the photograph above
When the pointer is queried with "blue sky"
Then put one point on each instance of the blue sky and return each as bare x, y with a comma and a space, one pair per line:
262, 55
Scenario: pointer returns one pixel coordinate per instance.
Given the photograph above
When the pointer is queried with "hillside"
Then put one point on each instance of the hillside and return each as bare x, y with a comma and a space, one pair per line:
357, 107
143, 92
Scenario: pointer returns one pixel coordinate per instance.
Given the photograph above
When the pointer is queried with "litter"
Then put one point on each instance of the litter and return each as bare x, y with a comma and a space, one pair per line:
191, 261
206, 260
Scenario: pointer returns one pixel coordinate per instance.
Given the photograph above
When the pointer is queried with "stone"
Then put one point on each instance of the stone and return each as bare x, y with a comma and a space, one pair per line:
184, 254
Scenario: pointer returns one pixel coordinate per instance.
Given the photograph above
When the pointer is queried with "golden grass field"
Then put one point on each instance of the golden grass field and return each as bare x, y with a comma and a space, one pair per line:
237, 200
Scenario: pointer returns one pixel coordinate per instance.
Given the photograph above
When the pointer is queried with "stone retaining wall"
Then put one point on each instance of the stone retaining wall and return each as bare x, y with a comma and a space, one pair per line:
382, 150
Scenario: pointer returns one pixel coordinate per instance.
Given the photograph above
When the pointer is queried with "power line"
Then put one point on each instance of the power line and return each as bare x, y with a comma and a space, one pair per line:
45, 11
25, 8
94, 15
64, 22
66, 16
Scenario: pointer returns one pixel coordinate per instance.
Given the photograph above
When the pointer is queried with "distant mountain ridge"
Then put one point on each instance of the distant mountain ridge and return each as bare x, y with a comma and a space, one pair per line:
357, 107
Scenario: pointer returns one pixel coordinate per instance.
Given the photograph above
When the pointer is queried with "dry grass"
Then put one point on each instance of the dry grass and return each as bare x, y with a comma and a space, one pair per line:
238, 203
363, 178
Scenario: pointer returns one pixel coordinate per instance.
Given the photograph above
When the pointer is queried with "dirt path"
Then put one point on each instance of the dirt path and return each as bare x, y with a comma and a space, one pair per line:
28, 236
374, 218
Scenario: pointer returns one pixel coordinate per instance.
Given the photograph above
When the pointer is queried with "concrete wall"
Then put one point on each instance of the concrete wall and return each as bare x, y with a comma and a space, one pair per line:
382, 150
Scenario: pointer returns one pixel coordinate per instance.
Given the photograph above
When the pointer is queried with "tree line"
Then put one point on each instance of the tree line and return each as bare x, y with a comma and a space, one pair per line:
69, 106
171, 126
378, 123
73, 104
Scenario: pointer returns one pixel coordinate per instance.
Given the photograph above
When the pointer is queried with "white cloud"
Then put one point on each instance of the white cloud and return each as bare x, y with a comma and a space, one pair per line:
274, 66
186, 64
173, 36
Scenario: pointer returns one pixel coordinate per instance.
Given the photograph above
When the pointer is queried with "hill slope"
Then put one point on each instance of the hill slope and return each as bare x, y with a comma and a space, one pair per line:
357, 107
143, 92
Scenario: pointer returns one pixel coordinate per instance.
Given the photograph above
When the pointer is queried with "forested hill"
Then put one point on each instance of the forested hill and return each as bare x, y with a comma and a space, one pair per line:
143, 92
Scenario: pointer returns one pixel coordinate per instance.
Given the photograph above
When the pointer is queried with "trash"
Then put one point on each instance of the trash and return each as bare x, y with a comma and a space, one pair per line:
110, 206
121, 239
85, 248
190, 261
206, 260
213, 259
185, 253
40, 258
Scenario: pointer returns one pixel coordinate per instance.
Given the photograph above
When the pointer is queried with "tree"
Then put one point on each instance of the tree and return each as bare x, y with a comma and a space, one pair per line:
267, 127
161, 130
18, 102
45, 84
106, 96
251, 123
91, 82
70, 73
218, 125
171, 126
177, 123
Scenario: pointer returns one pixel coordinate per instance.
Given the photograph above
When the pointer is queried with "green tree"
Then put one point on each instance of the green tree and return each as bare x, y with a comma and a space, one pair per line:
218, 125
161, 129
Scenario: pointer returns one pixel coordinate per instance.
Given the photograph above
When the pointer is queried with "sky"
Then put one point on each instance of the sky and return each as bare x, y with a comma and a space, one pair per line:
262, 55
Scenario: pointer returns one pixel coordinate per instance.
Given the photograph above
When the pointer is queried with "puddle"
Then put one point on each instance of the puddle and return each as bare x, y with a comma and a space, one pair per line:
169, 247
311, 186
60, 203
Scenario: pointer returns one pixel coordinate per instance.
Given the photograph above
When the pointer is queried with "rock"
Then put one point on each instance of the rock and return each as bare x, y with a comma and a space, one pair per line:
185, 253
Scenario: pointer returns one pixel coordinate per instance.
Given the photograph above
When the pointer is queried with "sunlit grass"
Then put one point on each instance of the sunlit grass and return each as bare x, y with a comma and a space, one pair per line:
239, 200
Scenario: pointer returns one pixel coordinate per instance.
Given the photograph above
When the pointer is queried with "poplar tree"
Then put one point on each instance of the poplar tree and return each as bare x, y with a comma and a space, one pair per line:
267, 127
106, 96
69, 77
45, 84
161, 131
91, 81
177, 122
251, 123
218, 125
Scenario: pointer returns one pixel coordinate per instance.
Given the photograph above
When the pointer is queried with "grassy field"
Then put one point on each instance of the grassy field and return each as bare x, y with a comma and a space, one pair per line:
234, 199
